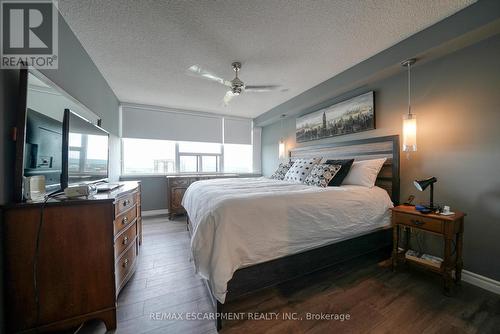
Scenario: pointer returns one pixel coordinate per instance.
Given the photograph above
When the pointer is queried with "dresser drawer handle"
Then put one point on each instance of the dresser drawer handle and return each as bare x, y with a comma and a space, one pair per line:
126, 202
124, 220
125, 240
125, 263
417, 222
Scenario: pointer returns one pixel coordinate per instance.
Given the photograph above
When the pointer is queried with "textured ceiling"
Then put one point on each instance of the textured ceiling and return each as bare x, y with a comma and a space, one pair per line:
143, 48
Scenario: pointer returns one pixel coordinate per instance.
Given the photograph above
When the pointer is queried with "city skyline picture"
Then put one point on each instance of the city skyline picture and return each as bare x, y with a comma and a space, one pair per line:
354, 115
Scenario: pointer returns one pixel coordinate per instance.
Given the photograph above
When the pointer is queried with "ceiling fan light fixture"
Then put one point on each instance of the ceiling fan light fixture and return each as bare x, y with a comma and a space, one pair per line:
236, 86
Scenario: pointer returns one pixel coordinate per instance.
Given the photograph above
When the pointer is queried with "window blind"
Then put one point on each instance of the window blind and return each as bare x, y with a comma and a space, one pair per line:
237, 131
150, 123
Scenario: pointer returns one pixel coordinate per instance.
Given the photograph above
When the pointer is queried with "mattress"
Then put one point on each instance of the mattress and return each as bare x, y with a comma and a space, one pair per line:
240, 222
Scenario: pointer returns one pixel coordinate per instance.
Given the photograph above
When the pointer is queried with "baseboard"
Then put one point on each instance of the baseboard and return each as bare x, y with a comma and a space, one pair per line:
151, 213
481, 281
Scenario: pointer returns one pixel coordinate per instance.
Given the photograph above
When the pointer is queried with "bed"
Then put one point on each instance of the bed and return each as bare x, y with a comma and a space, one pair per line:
251, 233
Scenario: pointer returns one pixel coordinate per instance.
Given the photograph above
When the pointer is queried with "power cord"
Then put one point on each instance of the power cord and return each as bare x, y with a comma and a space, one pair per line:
79, 328
37, 254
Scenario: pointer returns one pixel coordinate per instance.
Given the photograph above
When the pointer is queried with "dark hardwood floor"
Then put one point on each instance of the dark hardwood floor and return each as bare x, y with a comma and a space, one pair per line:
376, 299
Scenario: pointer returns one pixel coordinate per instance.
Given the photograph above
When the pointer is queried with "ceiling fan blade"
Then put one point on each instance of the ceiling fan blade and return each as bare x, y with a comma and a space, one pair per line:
228, 97
261, 88
199, 71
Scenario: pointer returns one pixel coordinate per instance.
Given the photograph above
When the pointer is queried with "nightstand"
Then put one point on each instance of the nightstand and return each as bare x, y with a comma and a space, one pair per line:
450, 228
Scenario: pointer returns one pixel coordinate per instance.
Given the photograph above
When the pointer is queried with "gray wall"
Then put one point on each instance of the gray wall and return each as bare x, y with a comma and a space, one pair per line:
79, 77
457, 102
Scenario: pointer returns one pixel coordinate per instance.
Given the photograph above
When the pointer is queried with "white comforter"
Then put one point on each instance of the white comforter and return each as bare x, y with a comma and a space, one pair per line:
239, 222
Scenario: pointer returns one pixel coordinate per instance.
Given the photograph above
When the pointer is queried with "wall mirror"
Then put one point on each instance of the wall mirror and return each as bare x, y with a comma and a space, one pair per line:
39, 129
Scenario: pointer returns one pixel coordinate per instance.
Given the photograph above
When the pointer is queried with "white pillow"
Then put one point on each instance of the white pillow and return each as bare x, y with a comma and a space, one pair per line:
364, 172
300, 169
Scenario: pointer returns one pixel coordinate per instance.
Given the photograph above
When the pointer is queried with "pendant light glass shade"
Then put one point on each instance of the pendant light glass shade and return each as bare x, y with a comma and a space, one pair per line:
281, 149
409, 119
409, 133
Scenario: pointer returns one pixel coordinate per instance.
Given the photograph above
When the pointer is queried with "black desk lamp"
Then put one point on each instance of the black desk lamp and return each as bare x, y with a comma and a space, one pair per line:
422, 184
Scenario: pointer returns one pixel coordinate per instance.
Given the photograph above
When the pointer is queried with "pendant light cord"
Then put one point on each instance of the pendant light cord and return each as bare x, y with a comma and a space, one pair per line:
281, 130
409, 88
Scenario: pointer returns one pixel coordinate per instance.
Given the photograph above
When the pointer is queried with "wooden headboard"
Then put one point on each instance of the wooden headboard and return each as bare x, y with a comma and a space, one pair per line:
363, 149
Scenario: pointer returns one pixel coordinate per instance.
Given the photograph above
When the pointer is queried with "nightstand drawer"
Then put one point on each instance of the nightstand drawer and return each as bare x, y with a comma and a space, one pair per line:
184, 182
425, 223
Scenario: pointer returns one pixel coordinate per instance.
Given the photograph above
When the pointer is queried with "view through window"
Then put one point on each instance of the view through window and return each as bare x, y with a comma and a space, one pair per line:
147, 156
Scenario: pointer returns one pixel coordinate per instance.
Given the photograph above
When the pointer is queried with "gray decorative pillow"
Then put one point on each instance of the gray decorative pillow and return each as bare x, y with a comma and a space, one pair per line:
321, 175
280, 173
300, 169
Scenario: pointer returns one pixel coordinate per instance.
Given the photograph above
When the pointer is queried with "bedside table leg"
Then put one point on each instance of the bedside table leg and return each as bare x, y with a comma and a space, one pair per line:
407, 238
447, 266
459, 245
395, 241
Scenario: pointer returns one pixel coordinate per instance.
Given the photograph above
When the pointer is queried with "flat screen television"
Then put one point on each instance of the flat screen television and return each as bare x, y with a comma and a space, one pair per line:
85, 151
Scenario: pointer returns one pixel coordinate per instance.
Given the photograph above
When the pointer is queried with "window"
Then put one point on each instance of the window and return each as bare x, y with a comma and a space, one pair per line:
210, 163
188, 163
148, 156
238, 158
195, 147
200, 157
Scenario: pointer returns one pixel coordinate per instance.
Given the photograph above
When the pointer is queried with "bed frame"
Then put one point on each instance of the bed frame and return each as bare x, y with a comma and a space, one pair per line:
376, 244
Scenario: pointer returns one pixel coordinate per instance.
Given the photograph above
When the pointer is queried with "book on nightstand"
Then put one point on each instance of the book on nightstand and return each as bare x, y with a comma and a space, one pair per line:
424, 258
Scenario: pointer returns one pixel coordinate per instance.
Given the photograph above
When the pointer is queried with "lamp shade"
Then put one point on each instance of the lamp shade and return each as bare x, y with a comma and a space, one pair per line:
409, 133
422, 184
281, 149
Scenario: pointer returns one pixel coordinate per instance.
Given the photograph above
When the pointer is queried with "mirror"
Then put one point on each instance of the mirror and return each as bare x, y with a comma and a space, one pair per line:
41, 111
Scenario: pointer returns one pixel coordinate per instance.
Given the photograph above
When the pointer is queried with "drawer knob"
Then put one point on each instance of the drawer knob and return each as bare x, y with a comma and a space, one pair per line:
125, 263
417, 222
124, 220
125, 240
126, 202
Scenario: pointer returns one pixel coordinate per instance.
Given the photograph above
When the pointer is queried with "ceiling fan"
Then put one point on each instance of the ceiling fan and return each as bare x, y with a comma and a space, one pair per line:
237, 86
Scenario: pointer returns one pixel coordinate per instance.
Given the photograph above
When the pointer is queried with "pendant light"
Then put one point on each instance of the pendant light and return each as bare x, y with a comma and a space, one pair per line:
281, 145
409, 119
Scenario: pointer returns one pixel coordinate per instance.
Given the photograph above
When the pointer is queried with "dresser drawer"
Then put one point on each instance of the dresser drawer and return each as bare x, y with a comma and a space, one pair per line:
425, 223
125, 264
124, 203
125, 239
124, 219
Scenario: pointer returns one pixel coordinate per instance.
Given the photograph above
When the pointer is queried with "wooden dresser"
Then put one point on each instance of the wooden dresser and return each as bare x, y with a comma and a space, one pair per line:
87, 252
177, 185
